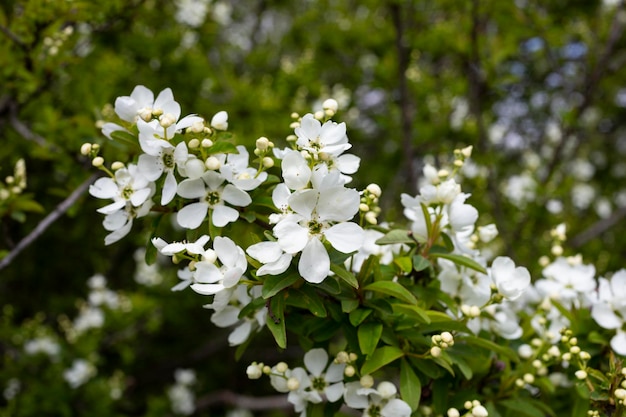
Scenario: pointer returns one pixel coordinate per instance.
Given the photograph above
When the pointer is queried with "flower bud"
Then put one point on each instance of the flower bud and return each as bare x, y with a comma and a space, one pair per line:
319, 115
254, 371
212, 163
293, 384
267, 162
370, 217
435, 351
117, 165
281, 367
85, 149
98, 161
479, 411
262, 143
193, 143
467, 151
367, 381
447, 337
349, 371
374, 189
529, 378
209, 256
453, 412
166, 120
330, 104
207, 143
581, 374
386, 389
220, 121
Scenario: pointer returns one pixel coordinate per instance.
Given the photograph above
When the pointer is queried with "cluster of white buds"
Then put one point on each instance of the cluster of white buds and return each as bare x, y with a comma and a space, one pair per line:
92, 151
16, 183
474, 409
263, 150
368, 206
573, 353
593, 413
441, 342
53, 43
348, 359
470, 311
620, 393
558, 235
460, 155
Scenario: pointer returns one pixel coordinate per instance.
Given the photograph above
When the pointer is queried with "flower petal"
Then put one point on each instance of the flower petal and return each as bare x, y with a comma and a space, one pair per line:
314, 265
192, 216
345, 237
316, 360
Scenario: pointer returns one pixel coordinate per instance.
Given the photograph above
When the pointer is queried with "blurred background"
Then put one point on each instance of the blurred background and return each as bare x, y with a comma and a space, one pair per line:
536, 87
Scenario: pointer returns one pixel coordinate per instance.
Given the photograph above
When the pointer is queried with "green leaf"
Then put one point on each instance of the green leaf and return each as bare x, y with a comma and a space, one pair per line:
393, 289
222, 147
420, 263
345, 275
276, 320
371, 267
357, 316
404, 263
396, 236
460, 363
412, 311
123, 136
330, 285
312, 301
28, 205
410, 385
381, 357
522, 406
348, 306
274, 283
491, 346
369, 335
460, 260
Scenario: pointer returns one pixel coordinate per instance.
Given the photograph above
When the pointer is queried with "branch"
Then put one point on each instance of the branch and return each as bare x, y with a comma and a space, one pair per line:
12, 35
598, 228
404, 53
224, 397
47, 221
21, 128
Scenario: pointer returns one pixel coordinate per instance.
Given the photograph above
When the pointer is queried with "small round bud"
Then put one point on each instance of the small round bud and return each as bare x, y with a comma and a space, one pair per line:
85, 149
353, 356
458, 163
117, 165
528, 378
342, 357
293, 125
267, 162
525, 351
374, 189
292, 138
557, 250
212, 163
585, 356
197, 127
166, 120
573, 341
467, 405
367, 381
519, 382
319, 115
574, 350
364, 207
435, 351
453, 412
467, 151
447, 337
295, 115
262, 143
145, 114
537, 364
349, 371
98, 161
479, 411
386, 389
281, 367
581, 374
193, 143
620, 394
330, 104
293, 384
567, 356
206, 143
370, 217
254, 371
474, 311
209, 256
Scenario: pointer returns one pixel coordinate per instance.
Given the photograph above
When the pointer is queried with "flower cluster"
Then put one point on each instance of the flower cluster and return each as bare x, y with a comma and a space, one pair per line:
321, 380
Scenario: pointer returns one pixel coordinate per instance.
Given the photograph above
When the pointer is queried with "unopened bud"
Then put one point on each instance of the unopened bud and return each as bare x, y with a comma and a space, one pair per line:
330, 104
193, 143
117, 165
212, 163
98, 161
367, 381
370, 217
207, 143
281, 367
293, 384
349, 371
580, 374
267, 162
374, 189
85, 149
319, 115
262, 143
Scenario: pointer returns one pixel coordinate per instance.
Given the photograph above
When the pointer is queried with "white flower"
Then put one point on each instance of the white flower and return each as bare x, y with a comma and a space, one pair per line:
487, 233
296, 170
275, 260
220, 121
329, 138
570, 284
322, 212
376, 402
128, 185
237, 172
210, 278
212, 195
164, 159
610, 309
194, 248
227, 314
511, 281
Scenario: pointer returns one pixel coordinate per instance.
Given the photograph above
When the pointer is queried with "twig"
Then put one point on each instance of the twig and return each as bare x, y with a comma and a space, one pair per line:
21, 128
47, 221
246, 402
404, 53
597, 228
11, 35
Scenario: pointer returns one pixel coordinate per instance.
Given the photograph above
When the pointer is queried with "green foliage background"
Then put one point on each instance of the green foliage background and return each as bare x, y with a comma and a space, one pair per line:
403, 72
